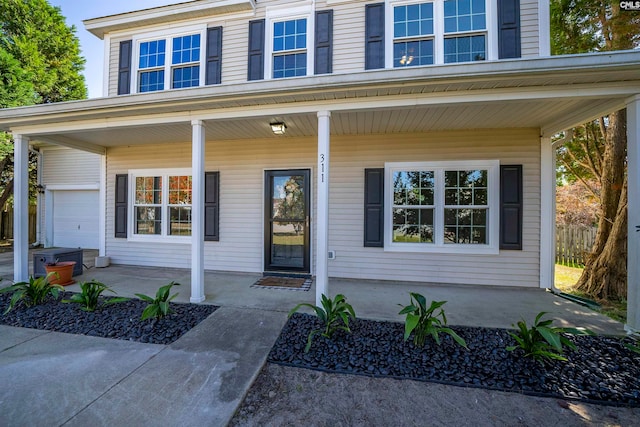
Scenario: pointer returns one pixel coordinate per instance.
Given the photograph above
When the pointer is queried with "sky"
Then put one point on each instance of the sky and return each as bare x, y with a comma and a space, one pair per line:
75, 11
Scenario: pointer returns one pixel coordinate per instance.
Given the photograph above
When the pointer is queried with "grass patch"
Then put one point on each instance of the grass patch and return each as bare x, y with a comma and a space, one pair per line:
565, 280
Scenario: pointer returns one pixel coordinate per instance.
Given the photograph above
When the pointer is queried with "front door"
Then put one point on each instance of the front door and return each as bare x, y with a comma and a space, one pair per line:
287, 221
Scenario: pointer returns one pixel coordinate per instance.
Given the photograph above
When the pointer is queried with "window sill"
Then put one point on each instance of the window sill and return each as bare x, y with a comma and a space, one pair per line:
446, 249
181, 240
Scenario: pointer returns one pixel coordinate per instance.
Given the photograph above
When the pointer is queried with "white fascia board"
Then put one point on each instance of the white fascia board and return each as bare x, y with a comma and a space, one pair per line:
165, 14
353, 104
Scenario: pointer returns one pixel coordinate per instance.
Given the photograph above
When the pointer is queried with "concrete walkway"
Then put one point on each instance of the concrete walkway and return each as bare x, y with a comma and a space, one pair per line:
56, 379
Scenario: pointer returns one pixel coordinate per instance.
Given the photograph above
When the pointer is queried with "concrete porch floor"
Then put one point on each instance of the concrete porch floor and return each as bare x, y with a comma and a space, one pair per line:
468, 305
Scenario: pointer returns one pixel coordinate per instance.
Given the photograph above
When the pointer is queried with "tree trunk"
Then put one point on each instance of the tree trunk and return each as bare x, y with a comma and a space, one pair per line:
605, 273
8, 190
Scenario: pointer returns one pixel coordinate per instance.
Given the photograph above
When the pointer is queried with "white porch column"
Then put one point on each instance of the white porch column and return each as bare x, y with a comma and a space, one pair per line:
20, 208
547, 212
197, 211
633, 208
322, 219
102, 221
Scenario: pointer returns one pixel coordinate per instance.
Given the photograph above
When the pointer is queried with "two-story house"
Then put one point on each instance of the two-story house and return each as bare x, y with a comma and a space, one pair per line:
395, 140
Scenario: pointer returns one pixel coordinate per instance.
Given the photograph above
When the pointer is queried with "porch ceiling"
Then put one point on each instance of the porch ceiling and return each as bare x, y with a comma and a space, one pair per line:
550, 94
479, 115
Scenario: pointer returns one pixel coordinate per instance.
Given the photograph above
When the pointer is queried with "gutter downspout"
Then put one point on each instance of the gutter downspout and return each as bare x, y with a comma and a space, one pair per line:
568, 136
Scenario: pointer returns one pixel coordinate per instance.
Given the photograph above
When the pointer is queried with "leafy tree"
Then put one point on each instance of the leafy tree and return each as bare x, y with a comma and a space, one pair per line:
40, 62
598, 148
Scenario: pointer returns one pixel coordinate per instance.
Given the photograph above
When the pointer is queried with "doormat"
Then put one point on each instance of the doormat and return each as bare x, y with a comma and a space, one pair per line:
286, 283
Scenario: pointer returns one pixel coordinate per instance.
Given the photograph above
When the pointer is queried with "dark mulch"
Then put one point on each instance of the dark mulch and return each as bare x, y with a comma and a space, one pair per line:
601, 370
119, 321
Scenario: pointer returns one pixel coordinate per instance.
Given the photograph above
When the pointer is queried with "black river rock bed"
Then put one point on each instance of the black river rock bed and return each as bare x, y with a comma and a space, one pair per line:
119, 321
601, 369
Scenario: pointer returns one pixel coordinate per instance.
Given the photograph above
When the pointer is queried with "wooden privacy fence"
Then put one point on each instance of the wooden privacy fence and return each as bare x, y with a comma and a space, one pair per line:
574, 243
6, 223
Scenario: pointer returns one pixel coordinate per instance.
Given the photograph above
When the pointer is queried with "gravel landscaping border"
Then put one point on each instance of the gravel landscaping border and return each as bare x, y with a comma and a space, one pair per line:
119, 321
601, 370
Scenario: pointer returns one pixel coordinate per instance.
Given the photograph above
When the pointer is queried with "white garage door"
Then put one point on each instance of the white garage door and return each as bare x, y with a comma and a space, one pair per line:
75, 219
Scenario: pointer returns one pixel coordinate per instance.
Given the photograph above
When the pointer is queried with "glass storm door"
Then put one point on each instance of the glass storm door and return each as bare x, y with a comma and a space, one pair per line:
287, 221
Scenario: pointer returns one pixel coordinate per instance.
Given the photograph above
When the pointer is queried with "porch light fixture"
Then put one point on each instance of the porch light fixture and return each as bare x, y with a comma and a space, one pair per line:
278, 128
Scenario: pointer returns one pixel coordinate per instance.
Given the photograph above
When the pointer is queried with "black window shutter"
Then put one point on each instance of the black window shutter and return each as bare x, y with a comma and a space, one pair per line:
374, 36
511, 207
508, 29
374, 207
124, 68
122, 190
324, 42
212, 206
214, 56
256, 50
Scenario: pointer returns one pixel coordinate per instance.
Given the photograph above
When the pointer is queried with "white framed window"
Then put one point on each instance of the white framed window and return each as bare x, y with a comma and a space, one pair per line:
161, 202
449, 207
169, 61
439, 32
289, 42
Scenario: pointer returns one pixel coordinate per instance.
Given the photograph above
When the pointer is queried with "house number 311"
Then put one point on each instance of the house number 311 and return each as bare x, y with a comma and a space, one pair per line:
321, 167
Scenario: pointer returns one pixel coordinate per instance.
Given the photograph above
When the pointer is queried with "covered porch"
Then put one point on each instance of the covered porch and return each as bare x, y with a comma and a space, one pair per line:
467, 305
548, 95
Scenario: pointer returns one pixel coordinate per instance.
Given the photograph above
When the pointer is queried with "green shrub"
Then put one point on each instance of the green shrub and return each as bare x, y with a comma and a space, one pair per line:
423, 322
330, 315
543, 341
89, 297
159, 306
33, 292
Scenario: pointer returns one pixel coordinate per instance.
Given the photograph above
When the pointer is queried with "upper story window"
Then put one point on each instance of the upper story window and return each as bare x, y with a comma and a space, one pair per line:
290, 48
169, 62
465, 31
413, 35
289, 42
442, 207
151, 65
186, 61
437, 32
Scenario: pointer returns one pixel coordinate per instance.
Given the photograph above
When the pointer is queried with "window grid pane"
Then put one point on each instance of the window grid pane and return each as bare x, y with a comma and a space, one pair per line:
185, 77
289, 65
290, 35
413, 210
464, 15
152, 54
148, 199
180, 196
412, 53
151, 81
466, 206
413, 20
464, 49
186, 49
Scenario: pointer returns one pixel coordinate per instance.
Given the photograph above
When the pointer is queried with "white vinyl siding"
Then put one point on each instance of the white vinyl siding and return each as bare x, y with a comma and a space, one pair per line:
352, 155
348, 38
242, 165
529, 38
67, 166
